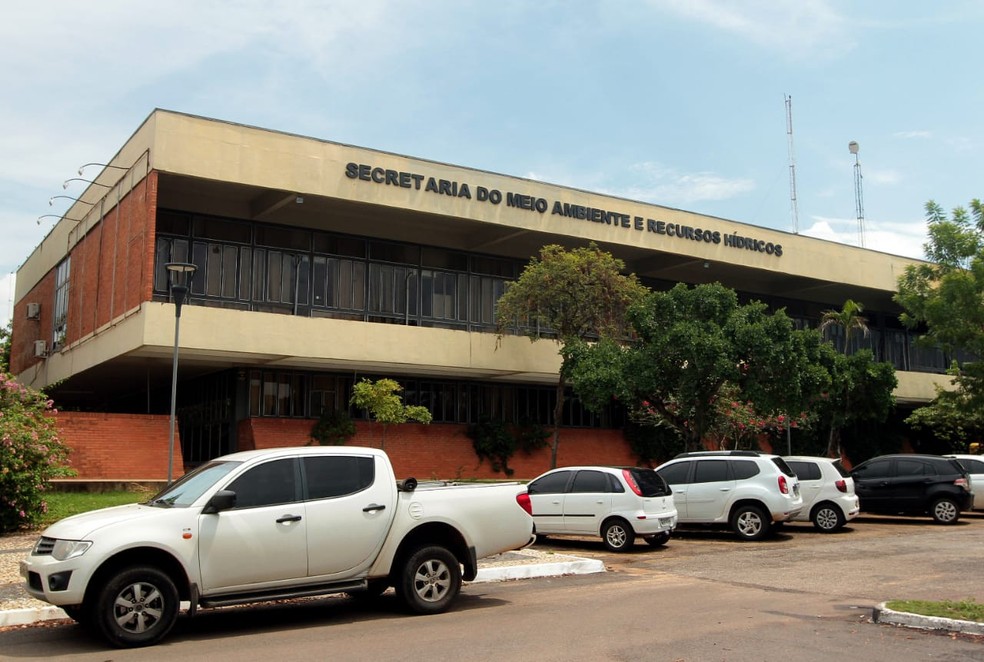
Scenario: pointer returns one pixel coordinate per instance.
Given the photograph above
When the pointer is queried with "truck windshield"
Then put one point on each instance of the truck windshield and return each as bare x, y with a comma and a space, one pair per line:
192, 485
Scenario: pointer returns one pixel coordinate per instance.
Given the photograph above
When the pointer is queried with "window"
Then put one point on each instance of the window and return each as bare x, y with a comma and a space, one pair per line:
60, 324
875, 469
268, 484
335, 476
743, 470
554, 483
912, 468
650, 483
676, 474
711, 471
590, 482
805, 470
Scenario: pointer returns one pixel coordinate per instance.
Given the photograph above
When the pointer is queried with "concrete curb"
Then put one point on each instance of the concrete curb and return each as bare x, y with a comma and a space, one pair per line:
492, 573
883, 614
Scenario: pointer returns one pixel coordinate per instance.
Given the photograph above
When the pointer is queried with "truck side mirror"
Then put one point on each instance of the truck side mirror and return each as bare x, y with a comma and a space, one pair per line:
221, 500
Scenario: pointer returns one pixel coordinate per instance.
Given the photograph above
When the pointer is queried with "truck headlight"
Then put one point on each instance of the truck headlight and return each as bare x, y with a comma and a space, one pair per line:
69, 549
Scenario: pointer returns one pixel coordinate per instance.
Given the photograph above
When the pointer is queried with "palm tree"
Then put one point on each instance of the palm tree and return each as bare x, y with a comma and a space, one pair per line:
849, 319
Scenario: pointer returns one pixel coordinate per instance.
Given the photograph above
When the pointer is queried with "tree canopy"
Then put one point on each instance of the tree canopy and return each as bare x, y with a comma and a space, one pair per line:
569, 296
695, 345
381, 400
943, 301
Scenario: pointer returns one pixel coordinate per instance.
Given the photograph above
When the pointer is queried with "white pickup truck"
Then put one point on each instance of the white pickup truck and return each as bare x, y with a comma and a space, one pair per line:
269, 525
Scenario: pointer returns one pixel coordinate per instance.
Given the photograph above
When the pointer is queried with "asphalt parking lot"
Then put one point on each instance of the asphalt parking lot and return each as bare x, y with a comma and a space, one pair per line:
873, 559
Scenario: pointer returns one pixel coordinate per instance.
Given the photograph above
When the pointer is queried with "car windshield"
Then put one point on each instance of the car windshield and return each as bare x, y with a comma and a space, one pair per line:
192, 485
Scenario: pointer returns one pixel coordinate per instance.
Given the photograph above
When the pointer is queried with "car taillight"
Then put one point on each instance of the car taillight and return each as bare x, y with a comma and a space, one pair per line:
630, 479
962, 482
523, 499
783, 485
841, 485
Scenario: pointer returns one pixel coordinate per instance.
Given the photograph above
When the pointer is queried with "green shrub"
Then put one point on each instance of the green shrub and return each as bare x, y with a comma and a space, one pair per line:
333, 428
30, 454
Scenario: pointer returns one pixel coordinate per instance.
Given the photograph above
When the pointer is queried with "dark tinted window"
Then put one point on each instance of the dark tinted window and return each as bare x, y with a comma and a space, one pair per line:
675, 474
873, 469
614, 484
783, 467
743, 469
590, 481
913, 468
337, 476
840, 469
266, 485
550, 484
805, 470
711, 471
972, 466
650, 483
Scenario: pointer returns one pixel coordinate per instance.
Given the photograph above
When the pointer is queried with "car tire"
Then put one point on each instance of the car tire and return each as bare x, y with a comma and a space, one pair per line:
827, 517
945, 511
430, 579
750, 522
136, 607
658, 540
617, 535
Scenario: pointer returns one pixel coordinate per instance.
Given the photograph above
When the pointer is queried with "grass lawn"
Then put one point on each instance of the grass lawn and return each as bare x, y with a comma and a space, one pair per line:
964, 610
63, 504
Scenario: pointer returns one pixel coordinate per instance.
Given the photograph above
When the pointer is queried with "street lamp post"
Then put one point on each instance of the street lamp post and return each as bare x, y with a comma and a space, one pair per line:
181, 274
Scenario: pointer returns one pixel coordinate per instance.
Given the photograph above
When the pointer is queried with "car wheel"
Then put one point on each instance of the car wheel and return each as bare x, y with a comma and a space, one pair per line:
429, 580
750, 523
136, 607
945, 511
658, 540
827, 518
618, 535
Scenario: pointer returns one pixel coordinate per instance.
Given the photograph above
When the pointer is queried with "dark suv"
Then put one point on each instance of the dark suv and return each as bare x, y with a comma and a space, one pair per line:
913, 485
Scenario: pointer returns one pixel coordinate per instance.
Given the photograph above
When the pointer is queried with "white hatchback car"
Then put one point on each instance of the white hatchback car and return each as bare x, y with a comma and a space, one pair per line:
615, 503
829, 500
974, 466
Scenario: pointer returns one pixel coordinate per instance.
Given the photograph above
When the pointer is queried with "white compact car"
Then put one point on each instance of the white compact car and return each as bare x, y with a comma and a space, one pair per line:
615, 503
829, 500
974, 466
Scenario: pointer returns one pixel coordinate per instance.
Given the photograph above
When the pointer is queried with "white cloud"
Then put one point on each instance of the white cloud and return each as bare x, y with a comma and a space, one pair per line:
664, 185
799, 28
904, 238
913, 134
6, 298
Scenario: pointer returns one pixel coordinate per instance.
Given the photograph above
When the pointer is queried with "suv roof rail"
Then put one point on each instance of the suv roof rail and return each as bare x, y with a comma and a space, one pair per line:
719, 453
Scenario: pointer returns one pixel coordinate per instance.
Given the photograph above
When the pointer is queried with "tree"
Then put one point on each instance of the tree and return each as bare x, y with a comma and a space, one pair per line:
30, 454
693, 346
383, 404
5, 334
942, 300
569, 296
847, 319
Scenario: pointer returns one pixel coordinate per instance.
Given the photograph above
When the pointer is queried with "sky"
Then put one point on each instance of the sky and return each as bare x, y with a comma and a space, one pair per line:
679, 103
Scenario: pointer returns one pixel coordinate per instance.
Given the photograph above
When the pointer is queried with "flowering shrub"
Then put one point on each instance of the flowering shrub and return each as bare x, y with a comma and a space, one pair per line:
30, 454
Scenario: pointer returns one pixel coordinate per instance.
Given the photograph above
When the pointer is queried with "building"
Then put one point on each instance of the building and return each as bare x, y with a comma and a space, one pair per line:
319, 263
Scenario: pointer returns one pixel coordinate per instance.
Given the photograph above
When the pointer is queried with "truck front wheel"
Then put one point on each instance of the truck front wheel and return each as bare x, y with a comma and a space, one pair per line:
429, 580
136, 607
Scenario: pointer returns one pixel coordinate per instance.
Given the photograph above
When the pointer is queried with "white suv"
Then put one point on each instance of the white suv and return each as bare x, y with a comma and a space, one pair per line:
615, 503
829, 500
745, 490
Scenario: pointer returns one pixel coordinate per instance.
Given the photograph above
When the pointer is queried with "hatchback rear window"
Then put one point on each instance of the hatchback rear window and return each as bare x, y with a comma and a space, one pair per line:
783, 467
650, 482
840, 469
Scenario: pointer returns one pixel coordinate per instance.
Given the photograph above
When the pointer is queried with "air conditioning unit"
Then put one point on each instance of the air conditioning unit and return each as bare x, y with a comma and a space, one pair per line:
33, 311
40, 348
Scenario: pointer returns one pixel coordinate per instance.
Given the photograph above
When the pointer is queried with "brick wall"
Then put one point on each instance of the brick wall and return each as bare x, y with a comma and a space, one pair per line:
129, 447
25, 331
443, 450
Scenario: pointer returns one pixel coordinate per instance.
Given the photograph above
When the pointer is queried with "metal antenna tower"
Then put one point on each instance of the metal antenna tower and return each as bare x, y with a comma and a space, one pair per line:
858, 190
792, 163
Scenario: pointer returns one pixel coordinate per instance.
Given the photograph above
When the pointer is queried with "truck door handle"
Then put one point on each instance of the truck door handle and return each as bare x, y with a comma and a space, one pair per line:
373, 507
289, 518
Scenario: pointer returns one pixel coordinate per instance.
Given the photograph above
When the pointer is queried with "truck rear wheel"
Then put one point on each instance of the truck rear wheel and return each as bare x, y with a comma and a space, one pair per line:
136, 607
429, 580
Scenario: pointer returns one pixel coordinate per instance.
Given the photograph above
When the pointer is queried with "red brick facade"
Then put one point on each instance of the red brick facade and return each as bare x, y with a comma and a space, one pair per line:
129, 447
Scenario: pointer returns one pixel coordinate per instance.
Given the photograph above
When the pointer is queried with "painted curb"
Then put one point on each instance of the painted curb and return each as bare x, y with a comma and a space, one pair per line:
883, 614
28, 616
